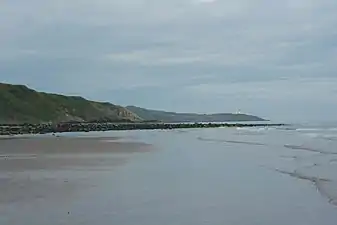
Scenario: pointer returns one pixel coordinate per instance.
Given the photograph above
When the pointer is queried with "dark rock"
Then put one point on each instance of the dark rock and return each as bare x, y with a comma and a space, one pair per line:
87, 127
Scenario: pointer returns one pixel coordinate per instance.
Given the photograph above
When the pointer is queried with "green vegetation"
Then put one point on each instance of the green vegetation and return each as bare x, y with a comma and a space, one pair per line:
155, 115
19, 104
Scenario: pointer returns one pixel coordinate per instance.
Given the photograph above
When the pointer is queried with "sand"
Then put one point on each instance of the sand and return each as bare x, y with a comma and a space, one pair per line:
32, 169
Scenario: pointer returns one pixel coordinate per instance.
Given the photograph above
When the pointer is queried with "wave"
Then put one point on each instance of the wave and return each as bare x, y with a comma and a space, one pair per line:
230, 141
256, 129
325, 186
324, 129
324, 136
304, 148
300, 176
329, 137
328, 190
309, 129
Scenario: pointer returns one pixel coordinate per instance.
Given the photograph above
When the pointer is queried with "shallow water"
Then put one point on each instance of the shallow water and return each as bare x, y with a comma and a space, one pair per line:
200, 176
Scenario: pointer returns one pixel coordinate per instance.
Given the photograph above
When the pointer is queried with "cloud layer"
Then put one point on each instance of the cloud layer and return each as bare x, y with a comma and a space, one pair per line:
187, 55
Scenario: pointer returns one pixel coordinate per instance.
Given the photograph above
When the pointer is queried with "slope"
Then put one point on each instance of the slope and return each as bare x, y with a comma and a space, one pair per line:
19, 104
163, 116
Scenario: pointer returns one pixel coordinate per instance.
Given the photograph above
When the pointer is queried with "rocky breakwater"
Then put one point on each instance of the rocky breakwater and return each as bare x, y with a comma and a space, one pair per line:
17, 129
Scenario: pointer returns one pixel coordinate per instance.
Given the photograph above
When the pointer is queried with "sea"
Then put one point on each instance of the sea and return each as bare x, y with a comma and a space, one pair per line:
221, 176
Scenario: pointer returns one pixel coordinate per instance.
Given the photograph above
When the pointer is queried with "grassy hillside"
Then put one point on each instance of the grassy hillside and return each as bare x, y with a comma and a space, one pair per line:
190, 117
20, 104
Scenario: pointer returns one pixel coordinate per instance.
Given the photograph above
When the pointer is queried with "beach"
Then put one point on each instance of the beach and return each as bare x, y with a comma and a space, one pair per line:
219, 176
21, 159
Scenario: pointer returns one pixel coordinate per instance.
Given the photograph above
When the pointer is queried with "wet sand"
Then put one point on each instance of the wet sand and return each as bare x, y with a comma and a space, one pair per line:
67, 145
199, 177
30, 167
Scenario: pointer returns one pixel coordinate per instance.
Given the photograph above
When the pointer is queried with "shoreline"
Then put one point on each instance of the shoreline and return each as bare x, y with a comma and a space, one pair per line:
19, 129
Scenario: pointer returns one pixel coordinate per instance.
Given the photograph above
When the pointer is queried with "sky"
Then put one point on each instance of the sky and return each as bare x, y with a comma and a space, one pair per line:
275, 59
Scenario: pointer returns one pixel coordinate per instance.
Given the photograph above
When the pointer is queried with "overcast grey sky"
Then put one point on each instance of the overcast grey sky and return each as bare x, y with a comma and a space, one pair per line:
276, 59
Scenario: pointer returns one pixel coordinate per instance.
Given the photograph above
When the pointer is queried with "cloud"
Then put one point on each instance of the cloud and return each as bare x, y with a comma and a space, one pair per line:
287, 89
206, 1
106, 47
293, 99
